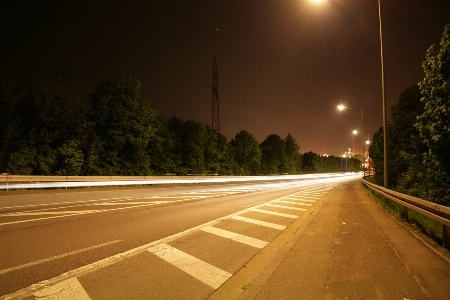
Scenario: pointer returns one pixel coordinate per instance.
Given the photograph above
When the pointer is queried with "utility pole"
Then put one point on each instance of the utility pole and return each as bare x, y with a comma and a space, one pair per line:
215, 123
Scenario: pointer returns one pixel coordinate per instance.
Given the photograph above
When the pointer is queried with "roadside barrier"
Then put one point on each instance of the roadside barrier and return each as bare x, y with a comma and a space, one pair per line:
10, 182
429, 209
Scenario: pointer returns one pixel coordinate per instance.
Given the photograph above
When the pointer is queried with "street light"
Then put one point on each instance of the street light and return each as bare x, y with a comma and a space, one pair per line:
384, 102
342, 107
383, 94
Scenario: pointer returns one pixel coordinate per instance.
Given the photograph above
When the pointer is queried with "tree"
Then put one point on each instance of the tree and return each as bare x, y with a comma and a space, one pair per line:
311, 163
434, 123
273, 155
247, 153
123, 124
190, 139
293, 156
402, 138
161, 147
39, 123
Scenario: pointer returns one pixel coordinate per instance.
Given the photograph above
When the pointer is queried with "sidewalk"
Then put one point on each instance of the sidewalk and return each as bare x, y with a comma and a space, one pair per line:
347, 249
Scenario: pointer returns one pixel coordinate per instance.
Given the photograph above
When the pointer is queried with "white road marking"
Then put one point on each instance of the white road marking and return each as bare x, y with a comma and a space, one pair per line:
58, 203
74, 213
71, 289
81, 213
308, 197
40, 213
124, 255
236, 237
57, 257
299, 199
206, 273
255, 204
286, 207
295, 203
258, 222
274, 213
126, 203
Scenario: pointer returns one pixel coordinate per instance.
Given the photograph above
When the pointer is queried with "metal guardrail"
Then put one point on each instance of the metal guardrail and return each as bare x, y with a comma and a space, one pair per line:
9, 182
429, 209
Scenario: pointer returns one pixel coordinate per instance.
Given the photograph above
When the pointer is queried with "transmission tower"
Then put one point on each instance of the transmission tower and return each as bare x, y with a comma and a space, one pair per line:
215, 124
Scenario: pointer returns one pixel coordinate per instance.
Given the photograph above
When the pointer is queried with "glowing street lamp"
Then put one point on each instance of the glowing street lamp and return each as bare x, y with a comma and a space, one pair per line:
341, 108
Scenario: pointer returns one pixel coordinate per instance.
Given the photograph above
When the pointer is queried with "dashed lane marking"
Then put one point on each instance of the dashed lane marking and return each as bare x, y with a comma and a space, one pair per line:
235, 237
57, 257
206, 273
258, 222
274, 213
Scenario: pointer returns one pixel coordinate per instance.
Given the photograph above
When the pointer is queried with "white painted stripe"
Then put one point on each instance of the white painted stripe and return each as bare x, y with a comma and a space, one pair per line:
294, 203
236, 237
128, 203
71, 289
57, 257
286, 207
39, 213
300, 199
73, 215
275, 213
206, 273
258, 222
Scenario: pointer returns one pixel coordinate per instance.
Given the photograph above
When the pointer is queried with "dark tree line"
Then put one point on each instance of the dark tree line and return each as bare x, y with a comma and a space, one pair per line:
418, 133
113, 131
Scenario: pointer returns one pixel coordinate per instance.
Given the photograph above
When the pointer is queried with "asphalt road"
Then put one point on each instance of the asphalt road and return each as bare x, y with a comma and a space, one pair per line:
128, 242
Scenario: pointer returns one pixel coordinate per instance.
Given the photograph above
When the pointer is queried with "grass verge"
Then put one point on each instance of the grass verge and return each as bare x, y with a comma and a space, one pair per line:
428, 229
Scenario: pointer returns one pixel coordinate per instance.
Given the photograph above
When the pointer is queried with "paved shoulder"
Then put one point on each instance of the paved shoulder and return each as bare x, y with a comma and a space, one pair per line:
351, 249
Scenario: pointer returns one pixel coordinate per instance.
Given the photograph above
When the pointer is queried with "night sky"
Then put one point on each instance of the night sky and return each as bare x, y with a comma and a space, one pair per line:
283, 65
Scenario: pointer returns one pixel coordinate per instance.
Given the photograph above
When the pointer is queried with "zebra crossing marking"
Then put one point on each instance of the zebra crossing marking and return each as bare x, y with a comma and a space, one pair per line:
274, 213
206, 273
286, 207
235, 237
295, 203
258, 222
69, 289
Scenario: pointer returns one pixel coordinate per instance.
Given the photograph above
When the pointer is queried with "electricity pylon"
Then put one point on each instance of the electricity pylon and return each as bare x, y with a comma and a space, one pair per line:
215, 123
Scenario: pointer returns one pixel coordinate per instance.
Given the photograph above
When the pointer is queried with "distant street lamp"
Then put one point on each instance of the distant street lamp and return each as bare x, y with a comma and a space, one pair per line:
342, 107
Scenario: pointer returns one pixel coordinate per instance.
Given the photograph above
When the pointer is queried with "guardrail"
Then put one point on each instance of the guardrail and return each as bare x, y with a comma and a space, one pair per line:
429, 209
37, 182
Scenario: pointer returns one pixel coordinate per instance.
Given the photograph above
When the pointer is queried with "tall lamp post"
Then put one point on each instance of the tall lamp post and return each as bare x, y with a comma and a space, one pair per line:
383, 94
384, 103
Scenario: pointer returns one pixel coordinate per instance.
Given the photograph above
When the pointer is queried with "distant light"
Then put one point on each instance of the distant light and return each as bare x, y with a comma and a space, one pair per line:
355, 131
317, 1
367, 142
341, 107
